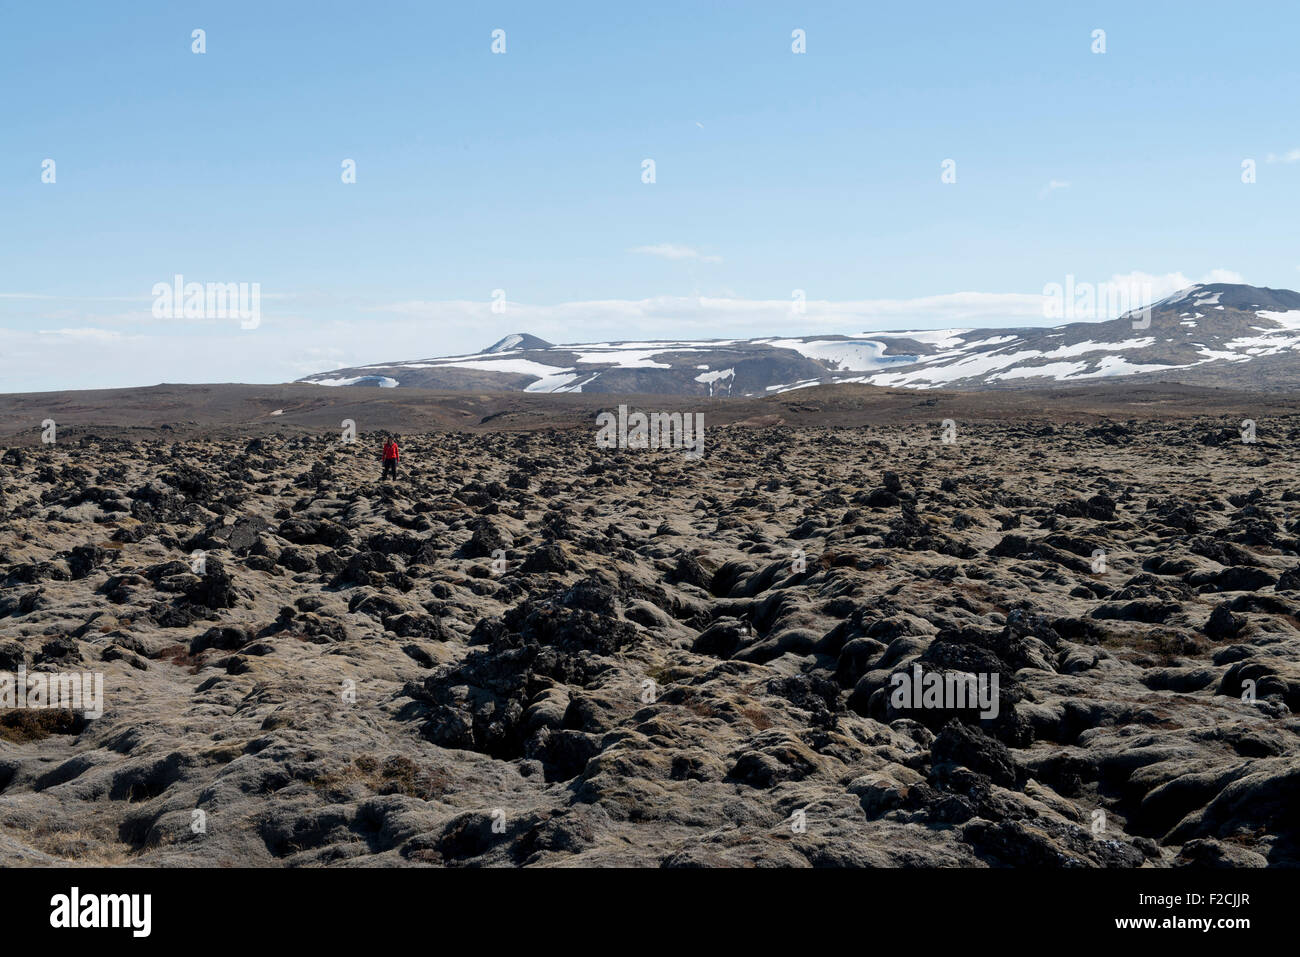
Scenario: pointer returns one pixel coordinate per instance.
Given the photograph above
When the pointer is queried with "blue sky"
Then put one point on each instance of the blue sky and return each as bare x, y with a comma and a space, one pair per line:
475, 172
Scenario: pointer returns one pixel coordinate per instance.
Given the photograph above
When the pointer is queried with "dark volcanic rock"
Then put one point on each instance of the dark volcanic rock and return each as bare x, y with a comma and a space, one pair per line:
676, 659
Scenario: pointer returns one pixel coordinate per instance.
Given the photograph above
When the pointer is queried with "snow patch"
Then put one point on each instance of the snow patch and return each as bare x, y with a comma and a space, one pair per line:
1052, 370
847, 355
712, 377
383, 381
1287, 320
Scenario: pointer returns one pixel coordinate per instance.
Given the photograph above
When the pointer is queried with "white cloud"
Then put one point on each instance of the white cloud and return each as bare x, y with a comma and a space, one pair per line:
1290, 156
42, 296
1223, 275
674, 251
1052, 186
100, 335
1166, 284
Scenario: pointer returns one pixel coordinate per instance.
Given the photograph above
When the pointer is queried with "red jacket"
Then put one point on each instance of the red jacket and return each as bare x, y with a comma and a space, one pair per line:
391, 452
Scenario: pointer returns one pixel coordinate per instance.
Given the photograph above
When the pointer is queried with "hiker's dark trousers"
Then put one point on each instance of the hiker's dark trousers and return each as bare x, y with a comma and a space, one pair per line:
390, 468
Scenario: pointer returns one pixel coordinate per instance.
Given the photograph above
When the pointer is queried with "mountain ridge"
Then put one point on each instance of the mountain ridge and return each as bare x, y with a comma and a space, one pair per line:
1218, 334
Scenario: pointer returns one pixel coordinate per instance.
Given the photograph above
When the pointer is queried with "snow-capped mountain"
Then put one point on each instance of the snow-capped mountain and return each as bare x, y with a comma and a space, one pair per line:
1219, 334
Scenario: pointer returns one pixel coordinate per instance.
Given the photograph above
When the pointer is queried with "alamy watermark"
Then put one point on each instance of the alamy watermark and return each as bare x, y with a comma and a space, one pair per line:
1087, 301
654, 430
61, 691
950, 691
76, 910
208, 300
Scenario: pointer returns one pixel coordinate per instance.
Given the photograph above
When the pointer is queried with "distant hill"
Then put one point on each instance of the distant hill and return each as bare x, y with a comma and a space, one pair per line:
1221, 334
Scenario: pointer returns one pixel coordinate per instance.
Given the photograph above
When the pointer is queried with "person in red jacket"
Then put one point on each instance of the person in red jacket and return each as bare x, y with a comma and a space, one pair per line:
391, 457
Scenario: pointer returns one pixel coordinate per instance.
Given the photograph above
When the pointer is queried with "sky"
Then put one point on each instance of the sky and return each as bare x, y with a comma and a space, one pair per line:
501, 192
